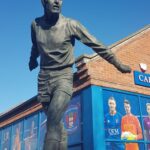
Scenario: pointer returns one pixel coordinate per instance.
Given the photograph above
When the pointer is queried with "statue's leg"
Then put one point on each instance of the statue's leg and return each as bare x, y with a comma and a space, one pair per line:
44, 90
56, 136
64, 85
45, 107
51, 145
54, 94
57, 144
64, 139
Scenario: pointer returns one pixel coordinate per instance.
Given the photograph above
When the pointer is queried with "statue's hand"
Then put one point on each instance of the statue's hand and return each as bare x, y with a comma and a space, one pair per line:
33, 63
124, 68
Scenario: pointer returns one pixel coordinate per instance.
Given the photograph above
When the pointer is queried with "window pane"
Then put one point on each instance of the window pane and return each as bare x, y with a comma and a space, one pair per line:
123, 146
6, 138
42, 130
75, 148
147, 147
115, 146
31, 133
17, 132
0, 139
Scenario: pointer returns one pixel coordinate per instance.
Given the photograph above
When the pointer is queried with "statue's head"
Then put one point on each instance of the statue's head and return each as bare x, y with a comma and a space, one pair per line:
52, 6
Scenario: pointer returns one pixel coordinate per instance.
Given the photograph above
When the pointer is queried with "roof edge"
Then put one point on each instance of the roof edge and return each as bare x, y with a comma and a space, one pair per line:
130, 36
17, 107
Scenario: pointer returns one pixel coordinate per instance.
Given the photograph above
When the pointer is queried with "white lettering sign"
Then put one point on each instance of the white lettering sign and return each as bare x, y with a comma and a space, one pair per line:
113, 131
144, 78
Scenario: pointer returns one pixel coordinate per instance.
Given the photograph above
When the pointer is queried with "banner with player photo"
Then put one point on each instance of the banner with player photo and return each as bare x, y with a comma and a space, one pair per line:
122, 119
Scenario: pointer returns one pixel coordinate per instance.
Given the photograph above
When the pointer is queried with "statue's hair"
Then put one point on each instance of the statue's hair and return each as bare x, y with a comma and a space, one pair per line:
43, 2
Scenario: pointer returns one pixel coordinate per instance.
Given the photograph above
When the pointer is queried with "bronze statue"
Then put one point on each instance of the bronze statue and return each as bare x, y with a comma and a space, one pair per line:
53, 38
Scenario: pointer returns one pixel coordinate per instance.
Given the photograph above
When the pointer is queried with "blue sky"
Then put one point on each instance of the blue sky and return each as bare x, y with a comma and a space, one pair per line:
108, 20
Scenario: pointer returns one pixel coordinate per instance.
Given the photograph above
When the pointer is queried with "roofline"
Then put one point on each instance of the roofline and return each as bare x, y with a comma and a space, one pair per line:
129, 37
17, 107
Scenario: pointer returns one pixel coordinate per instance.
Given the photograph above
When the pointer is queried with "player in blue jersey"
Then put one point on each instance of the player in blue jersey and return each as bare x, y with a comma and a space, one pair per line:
113, 126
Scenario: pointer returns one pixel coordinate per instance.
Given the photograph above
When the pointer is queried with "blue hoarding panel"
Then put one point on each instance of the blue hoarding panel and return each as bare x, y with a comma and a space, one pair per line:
87, 119
142, 79
98, 118
72, 120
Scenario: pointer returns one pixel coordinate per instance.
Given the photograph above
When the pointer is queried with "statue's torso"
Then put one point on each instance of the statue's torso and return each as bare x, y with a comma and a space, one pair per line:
55, 44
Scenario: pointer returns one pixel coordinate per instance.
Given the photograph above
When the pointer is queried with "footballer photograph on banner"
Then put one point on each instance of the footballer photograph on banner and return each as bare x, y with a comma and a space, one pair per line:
145, 103
122, 120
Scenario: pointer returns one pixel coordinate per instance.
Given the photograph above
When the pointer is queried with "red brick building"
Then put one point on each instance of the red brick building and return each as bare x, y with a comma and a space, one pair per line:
132, 50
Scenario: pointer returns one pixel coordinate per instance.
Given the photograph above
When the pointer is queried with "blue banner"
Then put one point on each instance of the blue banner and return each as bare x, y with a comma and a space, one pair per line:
142, 79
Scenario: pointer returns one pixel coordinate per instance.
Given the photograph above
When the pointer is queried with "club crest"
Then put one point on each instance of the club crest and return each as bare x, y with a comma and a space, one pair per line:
71, 119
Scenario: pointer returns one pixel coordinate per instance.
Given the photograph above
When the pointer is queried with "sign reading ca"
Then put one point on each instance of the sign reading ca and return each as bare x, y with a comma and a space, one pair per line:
142, 79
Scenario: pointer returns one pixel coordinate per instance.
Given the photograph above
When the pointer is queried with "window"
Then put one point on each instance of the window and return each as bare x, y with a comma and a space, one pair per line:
6, 138
17, 134
42, 130
31, 133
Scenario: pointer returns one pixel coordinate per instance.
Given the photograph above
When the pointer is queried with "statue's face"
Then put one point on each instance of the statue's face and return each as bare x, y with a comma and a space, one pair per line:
52, 6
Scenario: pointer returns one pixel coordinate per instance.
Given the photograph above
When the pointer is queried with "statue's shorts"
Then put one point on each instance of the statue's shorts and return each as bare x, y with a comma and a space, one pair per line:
55, 88
51, 81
